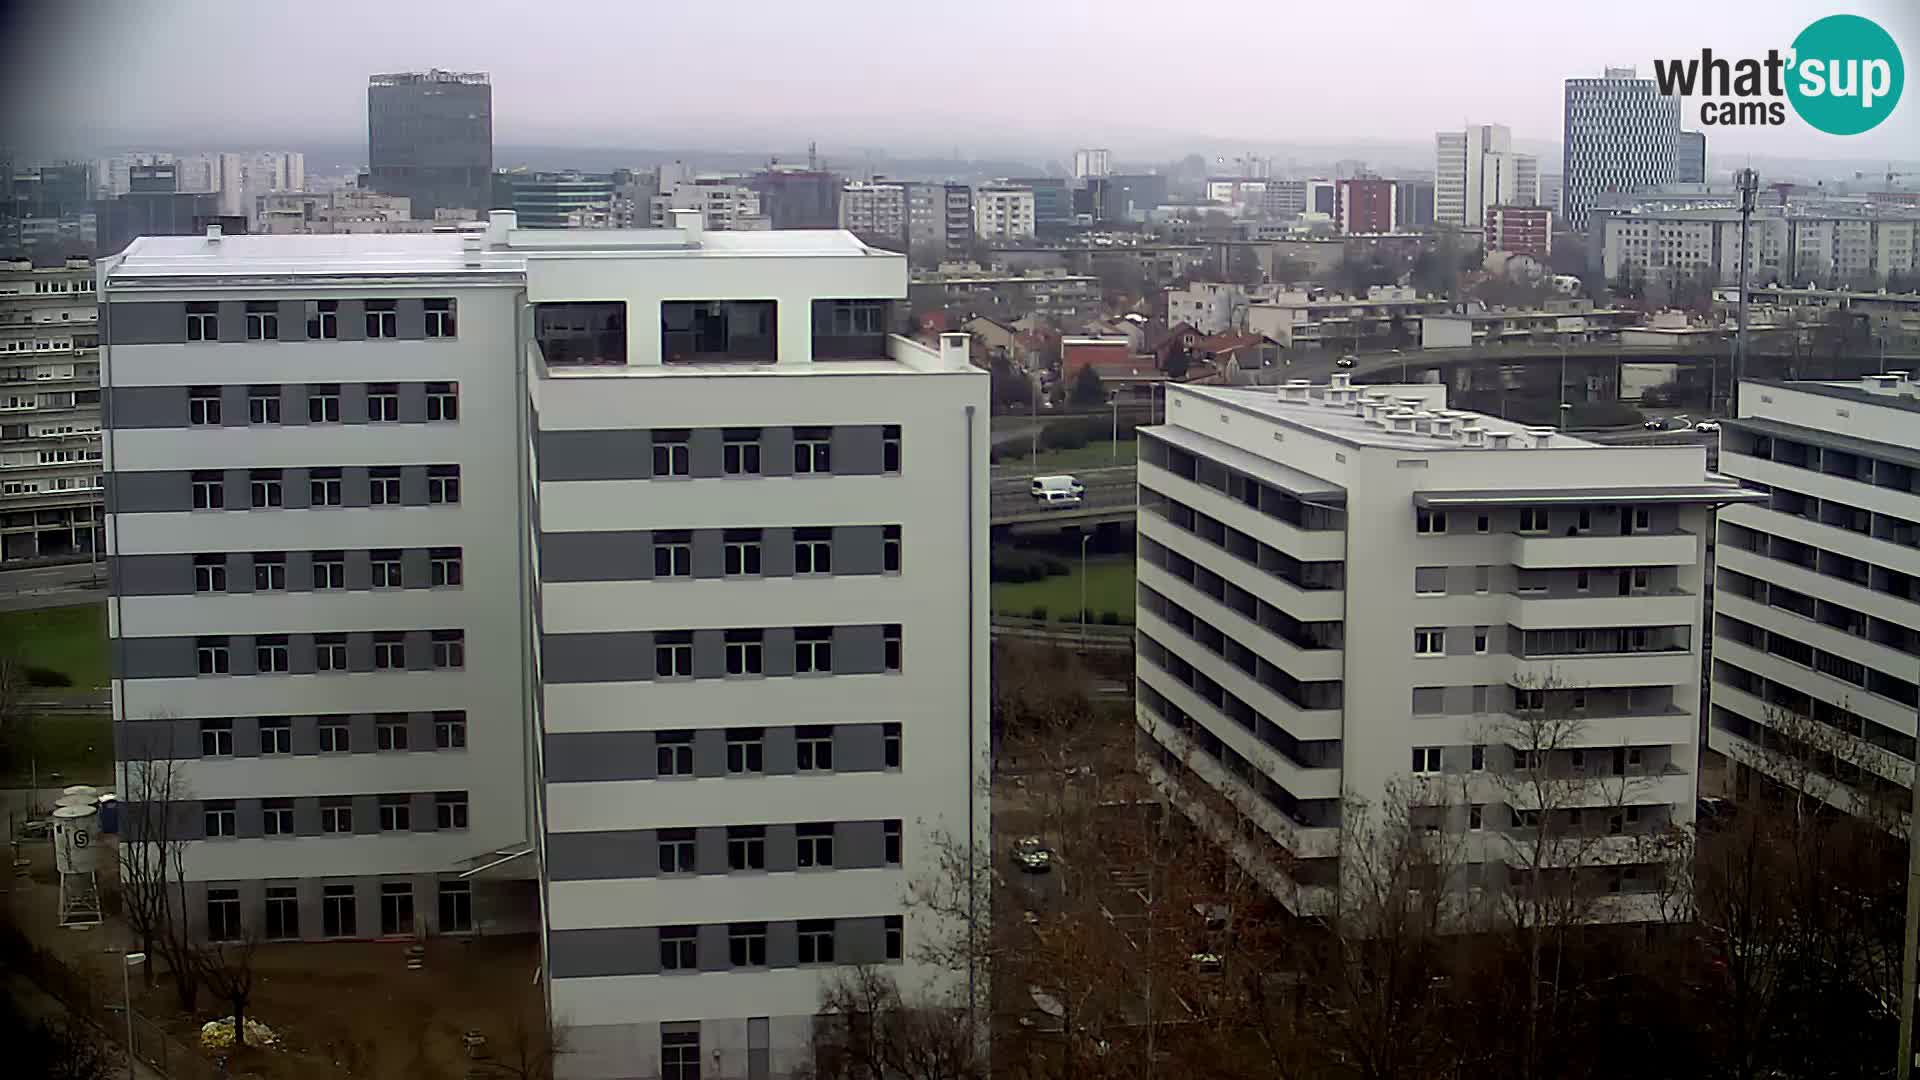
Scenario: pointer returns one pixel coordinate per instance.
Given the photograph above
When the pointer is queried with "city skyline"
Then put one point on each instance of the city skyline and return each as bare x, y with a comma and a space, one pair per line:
552, 85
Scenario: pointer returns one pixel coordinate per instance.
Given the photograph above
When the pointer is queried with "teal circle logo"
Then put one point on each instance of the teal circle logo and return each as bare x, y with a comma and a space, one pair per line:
1847, 75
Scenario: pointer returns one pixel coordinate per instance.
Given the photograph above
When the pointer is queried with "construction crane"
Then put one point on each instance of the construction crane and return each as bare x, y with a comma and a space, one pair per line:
1893, 178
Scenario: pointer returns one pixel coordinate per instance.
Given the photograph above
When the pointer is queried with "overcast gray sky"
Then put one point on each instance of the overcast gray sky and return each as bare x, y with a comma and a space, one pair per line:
985, 75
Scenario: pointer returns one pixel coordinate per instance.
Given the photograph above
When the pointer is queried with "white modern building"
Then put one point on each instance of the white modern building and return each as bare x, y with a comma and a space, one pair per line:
1621, 135
1817, 594
1346, 590
626, 586
1798, 248
726, 205
50, 471
1094, 162
1477, 168
1002, 212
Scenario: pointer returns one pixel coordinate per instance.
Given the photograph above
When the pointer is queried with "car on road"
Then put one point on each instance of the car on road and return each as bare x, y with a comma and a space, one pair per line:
1707, 425
1345, 362
1053, 500
1032, 855
1062, 482
1655, 424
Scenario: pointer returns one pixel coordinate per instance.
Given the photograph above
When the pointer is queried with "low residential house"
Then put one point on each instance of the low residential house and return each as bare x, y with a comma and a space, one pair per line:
1236, 353
996, 337
1122, 327
1122, 372
1181, 339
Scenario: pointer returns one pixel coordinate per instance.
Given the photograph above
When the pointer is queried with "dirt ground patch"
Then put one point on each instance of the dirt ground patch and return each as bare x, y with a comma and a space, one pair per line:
342, 1009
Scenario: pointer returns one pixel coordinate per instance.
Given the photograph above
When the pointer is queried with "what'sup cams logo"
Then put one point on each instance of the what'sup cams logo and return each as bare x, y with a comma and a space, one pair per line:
1843, 76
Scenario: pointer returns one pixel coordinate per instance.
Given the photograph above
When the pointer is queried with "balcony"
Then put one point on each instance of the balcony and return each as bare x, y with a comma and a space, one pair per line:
1590, 550
1669, 608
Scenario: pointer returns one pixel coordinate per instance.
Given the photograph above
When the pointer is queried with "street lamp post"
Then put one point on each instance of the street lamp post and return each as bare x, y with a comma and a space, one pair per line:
1084, 537
130, 961
1115, 402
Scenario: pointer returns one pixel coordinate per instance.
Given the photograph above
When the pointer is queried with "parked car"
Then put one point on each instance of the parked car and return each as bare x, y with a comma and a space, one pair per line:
1345, 361
1063, 482
1031, 855
1707, 425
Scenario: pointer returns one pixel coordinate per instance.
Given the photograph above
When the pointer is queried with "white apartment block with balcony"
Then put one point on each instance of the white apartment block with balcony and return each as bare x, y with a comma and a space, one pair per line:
49, 411
1003, 213
877, 209
1476, 168
1348, 589
626, 585
1817, 596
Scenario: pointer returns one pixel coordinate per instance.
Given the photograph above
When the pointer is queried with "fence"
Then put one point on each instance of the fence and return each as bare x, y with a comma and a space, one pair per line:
102, 1007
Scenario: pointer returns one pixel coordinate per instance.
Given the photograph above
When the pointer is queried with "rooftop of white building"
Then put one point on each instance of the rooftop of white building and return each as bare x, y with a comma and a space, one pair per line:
1410, 417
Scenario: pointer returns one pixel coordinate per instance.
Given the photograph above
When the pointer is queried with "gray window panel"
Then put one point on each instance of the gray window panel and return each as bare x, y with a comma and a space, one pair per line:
353, 320
189, 820
859, 650
1429, 700
783, 848
186, 738
240, 654
151, 575
246, 736
580, 756
1429, 579
293, 399
709, 654
860, 940
626, 950
1459, 641
411, 322
783, 945
145, 324
353, 400
859, 844
601, 856
293, 320
306, 809
858, 747
779, 751
710, 553
413, 403
363, 735
356, 489
1459, 700
710, 752
856, 549
233, 406
777, 652
247, 816
704, 449
419, 650
358, 573
233, 320
713, 947
239, 492
776, 552
625, 454
366, 821
413, 485
359, 650
158, 492
1499, 640
598, 556
157, 658
129, 407
710, 849
425, 818
156, 738
420, 731
577, 658
856, 450
239, 572
306, 735
776, 451
296, 491
299, 571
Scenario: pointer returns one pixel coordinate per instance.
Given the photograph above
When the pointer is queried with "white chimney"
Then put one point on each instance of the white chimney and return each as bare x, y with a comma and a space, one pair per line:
1474, 435
213, 233
1443, 427
1499, 439
956, 350
1340, 380
1295, 390
1401, 420
499, 224
1542, 436
471, 245
691, 222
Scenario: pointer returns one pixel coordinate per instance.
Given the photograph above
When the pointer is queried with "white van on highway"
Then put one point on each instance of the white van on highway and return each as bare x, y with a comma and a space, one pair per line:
1063, 483
1052, 499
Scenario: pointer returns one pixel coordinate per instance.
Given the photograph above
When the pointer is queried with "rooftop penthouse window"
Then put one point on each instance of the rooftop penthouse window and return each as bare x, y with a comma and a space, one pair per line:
582, 334
851, 329
716, 331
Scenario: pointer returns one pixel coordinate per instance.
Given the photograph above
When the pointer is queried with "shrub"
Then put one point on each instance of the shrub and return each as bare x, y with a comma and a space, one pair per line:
1110, 618
1015, 567
47, 677
1039, 613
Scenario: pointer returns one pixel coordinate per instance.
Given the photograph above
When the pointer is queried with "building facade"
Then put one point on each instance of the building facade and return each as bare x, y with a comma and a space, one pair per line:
875, 209
1003, 213
1412, 204
798, 198
50, 457
1520, 230
430, 138
1816, 609
1092, 163
1792, 247
393, 628
1367, 205
1692, 165
567, 200
1621, 135
1350, 595
1477, 168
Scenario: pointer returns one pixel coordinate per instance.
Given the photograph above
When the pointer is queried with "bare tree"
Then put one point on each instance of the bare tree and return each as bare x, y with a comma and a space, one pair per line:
866, 1030
526, 1053
226, 968
150, 855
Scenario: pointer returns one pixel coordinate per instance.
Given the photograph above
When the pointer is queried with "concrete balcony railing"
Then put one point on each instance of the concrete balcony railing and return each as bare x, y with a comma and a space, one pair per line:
1591, 550
1603, 610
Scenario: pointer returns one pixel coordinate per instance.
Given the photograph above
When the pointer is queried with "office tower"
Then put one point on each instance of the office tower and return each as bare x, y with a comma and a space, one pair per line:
430, 138
1092, 163
627, 587
1816, 606
1350, 591
1621, 135
1366, 205
1477, 168
1692, 165
1052, 201
243, 178
1002, 213
1413, 204
154, 206
560, 200
1520, 230
49, 411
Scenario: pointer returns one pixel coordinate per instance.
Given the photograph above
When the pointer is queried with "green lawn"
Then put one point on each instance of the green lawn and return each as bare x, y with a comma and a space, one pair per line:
67, 639
1094, 455
1109, 588
78, 746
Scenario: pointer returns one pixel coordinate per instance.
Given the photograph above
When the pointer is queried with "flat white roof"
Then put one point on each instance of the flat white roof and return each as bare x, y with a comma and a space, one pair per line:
1341, 423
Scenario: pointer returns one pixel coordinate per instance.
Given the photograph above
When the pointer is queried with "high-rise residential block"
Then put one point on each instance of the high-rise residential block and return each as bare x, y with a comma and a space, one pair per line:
876, 210
624, 587
1520, 230
1621, 135
1366, 205
1692, 166
1002, 212
1816, 636
1355, 597
1092, 163
430, 138
50, 459
1477, 168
